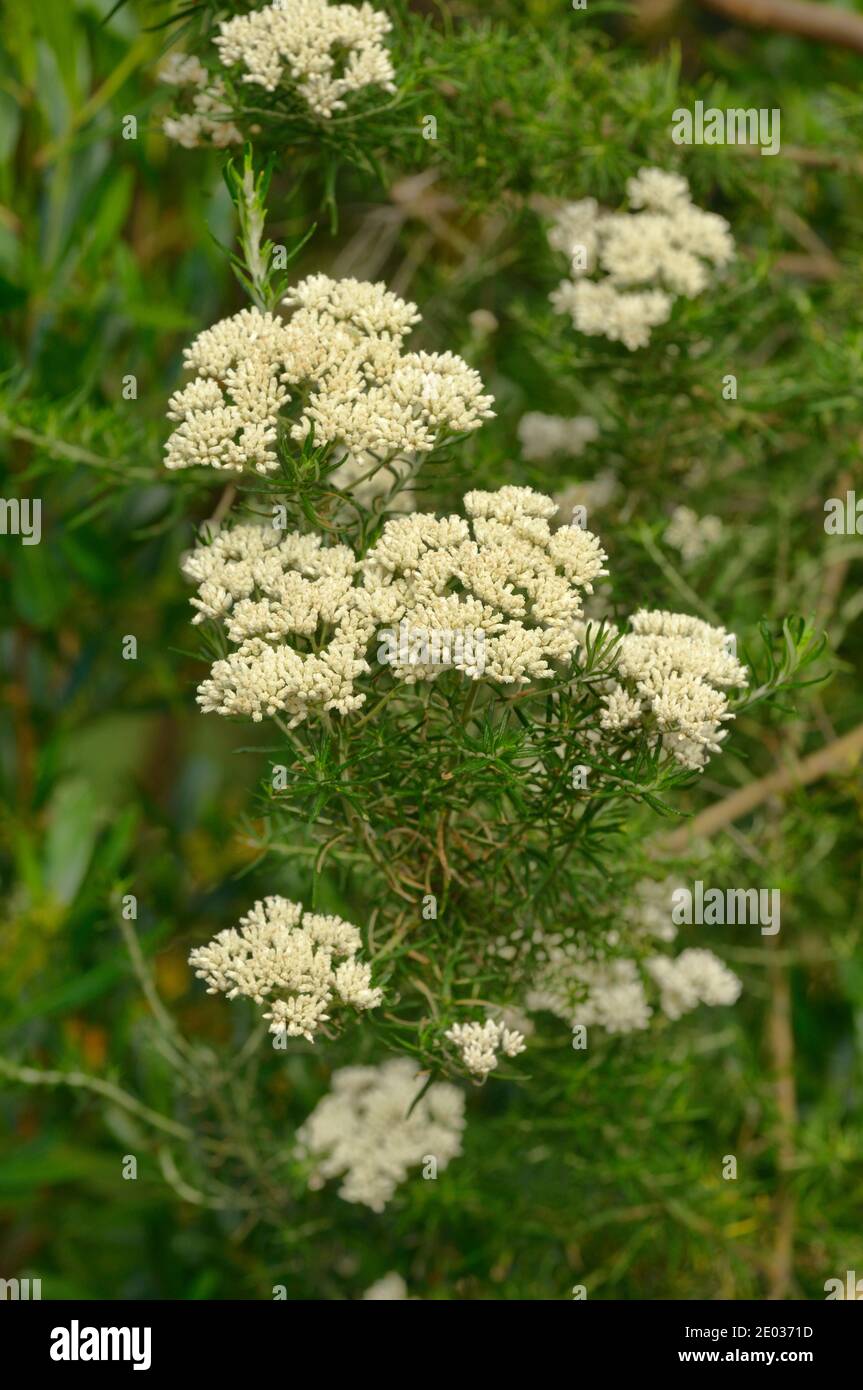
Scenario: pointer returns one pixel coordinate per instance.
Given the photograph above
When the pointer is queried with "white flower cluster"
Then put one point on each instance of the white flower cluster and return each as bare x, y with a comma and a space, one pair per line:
504, 574
209, 120
228, 415
591, 495
692, 535
480, 1043
391, 1288
607, 994
541, 436
648, 912
362, 1132
645, 258
328, 50
608, 991
291, 606
342, 349
615, 995
302, 625
673, 672
694, 977
282, 951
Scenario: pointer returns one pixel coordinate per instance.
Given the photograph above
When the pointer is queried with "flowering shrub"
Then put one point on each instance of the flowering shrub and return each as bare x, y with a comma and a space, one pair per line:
489, 585
302, 610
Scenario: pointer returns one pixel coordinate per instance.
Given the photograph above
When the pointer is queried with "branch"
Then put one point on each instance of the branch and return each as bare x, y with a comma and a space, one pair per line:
824, 23
780, 1041
33, 1076
58, 448
839, 756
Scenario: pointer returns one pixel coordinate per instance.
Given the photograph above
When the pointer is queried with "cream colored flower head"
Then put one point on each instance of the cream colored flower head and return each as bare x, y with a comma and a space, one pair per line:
541, 436
694, 977
610, 993
692, 535
674, 671
301, 964
335, 366
374, 1126
502, 573
299, 624
391, 1288
568, 982
227, 416
480, 1044
302, 615
208, 121
664, 247
326, 52
590, 983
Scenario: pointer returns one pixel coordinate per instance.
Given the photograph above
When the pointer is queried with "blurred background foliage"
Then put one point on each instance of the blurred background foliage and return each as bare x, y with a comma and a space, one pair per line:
604, 1169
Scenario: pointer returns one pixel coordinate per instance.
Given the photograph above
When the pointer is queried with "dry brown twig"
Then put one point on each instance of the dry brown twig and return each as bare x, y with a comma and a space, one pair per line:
837, 757
824, 23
